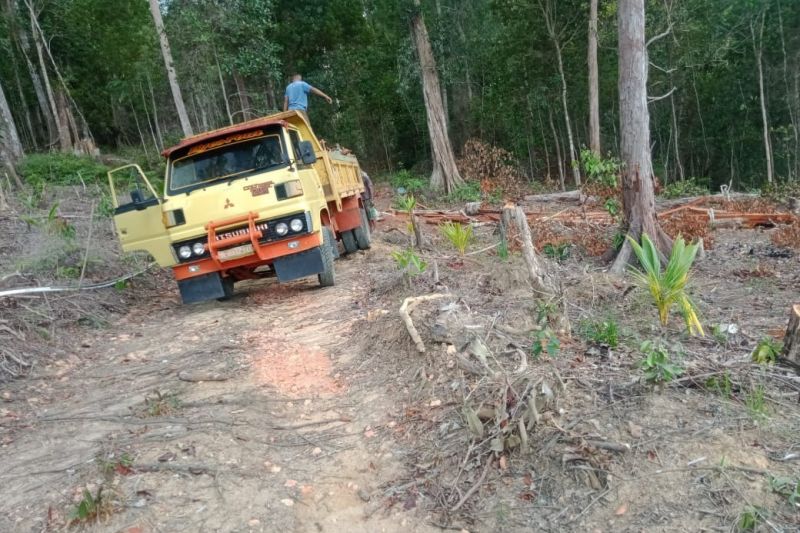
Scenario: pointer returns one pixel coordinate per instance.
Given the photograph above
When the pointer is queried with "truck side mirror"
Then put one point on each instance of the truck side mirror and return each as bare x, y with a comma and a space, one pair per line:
307, 155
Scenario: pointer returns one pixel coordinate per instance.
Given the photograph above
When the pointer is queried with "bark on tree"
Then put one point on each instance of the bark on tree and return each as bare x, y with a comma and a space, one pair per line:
155, 114
559, 159
758, 50
62, 127
638, 192
445, 173
166, 53
9, 137
550, 23
594, 81
244, 98
791, 343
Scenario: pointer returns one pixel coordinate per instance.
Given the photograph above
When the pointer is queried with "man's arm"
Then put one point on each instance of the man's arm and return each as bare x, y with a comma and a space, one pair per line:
285, 103
322, 94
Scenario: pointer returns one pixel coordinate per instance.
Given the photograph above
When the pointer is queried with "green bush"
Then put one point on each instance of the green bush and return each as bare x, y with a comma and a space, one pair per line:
599, 169
684, 188
61, 169
408, 181
469, 192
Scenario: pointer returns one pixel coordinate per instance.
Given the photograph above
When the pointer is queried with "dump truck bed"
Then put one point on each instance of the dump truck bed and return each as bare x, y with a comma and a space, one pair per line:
341, 177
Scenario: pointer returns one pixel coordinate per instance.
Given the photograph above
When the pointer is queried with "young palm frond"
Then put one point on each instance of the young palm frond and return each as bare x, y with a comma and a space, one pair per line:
668, 287
459, 235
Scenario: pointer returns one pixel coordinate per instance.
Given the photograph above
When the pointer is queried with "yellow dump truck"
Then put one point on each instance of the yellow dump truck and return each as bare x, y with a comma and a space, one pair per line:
261, 198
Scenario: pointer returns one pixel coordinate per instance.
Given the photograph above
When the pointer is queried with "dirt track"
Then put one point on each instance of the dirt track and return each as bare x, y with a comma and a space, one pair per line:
282, 443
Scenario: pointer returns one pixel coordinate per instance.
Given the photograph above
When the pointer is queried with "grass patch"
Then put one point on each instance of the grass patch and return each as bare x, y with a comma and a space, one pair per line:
61, 169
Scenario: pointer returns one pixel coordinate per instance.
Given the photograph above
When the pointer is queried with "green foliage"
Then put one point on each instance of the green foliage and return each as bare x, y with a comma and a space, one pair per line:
749, 519
766, 351
604, 332
601, 170
546, 311
557, 252
405, 203
89, 508
410, 183
545, 341
668, 287
687, 187
781, 191
502, 250
657, 365
613, 208
61, 169
756, 402
459, 235
409, 262
786, 487
722, 385
470, 191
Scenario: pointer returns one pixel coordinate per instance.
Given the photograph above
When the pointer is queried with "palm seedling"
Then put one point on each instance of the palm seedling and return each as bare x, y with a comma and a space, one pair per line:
459, 235
668, 286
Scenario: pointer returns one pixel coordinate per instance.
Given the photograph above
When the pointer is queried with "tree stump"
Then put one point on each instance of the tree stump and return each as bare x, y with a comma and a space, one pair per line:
791, 343
516, 216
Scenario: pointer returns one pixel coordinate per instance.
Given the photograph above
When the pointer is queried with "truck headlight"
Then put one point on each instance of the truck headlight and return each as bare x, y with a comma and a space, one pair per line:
281, 229
296, 225
185, 252
198, 248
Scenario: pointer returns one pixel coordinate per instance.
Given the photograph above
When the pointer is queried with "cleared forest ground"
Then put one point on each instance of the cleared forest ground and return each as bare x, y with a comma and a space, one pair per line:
291, 408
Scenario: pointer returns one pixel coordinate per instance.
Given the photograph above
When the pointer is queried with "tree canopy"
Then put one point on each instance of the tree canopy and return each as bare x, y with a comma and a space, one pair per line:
496, 60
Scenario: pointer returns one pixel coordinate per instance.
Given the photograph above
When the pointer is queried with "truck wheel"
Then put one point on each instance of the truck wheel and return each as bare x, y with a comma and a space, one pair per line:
327, 278
227, 288
361, 233
349, 242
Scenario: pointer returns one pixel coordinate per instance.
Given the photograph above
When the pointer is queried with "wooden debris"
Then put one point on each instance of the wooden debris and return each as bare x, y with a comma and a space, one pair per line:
405, 313
791, 342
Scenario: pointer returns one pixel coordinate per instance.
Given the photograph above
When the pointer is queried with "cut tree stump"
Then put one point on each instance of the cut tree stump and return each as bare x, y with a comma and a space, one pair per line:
791, 343
516, 216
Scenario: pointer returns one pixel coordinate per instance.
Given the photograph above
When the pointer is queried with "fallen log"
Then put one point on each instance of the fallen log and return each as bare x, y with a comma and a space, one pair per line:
569, 196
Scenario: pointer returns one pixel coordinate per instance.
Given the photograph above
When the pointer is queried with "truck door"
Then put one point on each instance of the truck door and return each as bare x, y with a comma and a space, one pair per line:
138, 214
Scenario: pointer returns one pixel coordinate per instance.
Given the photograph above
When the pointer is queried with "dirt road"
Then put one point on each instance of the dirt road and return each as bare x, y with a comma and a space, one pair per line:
248, 415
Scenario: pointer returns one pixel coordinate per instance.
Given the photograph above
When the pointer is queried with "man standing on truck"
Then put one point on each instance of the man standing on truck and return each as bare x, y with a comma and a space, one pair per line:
296, 96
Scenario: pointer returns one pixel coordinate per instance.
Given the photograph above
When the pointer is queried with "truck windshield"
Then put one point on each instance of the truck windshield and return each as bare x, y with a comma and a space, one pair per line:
202, 164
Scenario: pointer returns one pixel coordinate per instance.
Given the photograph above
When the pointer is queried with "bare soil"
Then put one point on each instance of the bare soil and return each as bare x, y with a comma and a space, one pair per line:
294, 408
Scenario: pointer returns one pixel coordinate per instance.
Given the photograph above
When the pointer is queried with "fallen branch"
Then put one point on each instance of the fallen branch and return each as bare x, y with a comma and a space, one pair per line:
103, 285
405, 313
474, 488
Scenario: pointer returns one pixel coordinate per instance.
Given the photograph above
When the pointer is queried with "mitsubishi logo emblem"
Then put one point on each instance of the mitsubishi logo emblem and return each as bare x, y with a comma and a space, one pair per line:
228, 203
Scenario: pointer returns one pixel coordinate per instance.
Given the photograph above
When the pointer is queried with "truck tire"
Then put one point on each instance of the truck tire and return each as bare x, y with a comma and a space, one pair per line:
349, 242
327, 278
362, 234
227, 288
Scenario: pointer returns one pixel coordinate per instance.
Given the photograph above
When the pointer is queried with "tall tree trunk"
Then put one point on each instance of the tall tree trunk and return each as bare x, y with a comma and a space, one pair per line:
186, 126
20, 36
549, 20
244, 98
678, 162
795, 120
155, 114
62, 127
224, 91
147, 116
594, 82
638, 193
758, 50
559, 159
445, 174
9, 137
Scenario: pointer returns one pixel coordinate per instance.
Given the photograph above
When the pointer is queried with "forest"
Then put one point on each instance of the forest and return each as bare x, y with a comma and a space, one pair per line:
724, 79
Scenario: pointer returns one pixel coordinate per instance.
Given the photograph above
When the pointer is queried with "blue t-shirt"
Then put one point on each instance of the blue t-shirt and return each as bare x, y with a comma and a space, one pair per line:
297, 93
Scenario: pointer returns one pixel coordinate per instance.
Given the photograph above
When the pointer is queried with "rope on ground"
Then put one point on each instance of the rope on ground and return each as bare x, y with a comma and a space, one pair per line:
103, 285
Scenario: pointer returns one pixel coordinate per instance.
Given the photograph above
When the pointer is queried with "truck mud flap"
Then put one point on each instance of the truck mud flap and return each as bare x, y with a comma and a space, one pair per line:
296, 266
202, 288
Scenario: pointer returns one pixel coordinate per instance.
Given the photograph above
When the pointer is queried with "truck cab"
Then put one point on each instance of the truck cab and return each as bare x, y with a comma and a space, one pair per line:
261, 198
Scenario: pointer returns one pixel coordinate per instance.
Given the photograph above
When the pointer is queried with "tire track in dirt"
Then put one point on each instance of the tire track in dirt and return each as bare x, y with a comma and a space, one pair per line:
284, 443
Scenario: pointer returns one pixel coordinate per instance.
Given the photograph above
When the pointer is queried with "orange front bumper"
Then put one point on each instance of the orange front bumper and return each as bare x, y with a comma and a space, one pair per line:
266, 253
